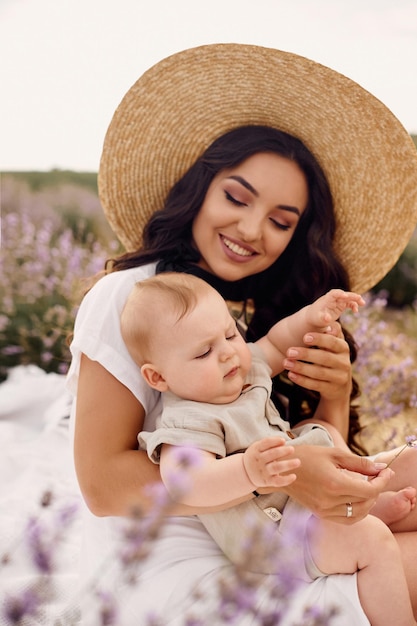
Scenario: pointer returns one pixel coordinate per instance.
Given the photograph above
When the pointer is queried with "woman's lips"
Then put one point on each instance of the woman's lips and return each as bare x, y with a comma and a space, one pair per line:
235, 250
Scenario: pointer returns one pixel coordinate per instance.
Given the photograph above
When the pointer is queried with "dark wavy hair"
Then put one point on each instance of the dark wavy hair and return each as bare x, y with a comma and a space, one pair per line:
305, 270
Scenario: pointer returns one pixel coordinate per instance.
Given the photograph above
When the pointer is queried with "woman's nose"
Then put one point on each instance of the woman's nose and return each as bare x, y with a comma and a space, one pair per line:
250, 227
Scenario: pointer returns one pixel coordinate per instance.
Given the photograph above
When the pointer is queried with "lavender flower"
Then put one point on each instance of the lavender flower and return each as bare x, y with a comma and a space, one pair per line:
44, 256
410, 442
43, 539
17, 607
314, 616
108, 610
185, 459
385, 369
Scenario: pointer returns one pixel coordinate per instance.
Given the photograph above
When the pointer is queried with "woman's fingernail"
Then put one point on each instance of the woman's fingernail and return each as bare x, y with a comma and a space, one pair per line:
292, 352
308, 338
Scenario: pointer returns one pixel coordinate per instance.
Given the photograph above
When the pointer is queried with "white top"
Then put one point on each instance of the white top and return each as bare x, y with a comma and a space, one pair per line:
97, 334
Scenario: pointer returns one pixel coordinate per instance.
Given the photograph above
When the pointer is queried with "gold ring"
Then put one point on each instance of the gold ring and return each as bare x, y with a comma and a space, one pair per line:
349, 509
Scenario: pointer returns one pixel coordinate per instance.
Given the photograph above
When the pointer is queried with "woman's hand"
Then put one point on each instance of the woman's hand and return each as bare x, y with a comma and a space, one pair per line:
325, 367
323, 487
322, 365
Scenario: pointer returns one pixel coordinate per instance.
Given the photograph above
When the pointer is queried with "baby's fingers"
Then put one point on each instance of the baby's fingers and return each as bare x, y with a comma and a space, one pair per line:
353, 301
280, 481
275, 451
278, 467
269, 442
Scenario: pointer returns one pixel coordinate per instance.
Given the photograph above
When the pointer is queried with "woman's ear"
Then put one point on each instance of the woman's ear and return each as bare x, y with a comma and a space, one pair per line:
153, 377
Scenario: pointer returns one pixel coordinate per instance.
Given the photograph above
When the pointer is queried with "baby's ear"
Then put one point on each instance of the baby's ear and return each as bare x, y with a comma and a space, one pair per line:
153, 377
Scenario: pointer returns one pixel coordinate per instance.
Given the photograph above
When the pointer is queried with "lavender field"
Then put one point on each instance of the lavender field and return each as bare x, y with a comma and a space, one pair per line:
54, 236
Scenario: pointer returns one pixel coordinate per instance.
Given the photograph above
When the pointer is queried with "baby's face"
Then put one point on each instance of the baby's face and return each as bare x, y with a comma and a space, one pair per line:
202, 356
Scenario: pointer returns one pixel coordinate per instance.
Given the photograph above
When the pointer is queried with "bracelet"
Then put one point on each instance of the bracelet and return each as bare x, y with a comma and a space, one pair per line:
256, 494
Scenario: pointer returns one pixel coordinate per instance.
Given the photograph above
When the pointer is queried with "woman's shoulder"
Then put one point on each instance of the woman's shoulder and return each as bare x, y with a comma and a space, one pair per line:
120, 282
129, 276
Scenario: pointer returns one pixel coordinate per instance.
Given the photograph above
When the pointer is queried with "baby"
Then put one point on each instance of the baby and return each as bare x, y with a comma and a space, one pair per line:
216, 397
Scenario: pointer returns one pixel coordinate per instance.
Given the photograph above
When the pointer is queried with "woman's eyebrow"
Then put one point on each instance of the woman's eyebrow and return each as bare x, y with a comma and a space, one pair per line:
245, 184
248, 186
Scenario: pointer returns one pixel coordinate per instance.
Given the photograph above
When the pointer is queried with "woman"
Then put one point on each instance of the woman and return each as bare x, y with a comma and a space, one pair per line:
276, 243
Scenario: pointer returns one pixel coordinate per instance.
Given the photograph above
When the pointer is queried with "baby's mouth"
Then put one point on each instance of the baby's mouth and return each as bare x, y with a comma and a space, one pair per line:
232, 372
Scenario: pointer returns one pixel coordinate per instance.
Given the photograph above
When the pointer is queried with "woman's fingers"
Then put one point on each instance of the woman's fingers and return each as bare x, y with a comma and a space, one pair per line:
326, 482
325, 368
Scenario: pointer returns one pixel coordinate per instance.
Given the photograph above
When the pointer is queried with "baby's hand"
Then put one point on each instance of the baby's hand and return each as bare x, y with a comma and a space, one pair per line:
329, 307
267, 459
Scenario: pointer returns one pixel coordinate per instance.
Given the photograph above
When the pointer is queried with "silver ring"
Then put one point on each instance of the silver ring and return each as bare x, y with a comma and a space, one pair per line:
349, 509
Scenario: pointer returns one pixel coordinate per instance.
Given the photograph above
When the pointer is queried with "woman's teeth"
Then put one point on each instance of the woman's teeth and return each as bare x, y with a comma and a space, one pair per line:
236, 249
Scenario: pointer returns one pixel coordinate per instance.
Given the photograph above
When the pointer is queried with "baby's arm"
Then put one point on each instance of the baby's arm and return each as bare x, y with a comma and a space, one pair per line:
212, 481
317, 316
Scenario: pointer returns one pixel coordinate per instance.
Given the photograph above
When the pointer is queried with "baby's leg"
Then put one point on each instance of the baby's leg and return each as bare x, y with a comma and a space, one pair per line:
369, 548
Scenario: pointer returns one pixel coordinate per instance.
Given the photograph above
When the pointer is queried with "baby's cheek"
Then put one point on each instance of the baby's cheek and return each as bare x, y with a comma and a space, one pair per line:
246, 361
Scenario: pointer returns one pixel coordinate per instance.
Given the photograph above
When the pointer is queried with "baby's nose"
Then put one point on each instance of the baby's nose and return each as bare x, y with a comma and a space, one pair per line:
227, 351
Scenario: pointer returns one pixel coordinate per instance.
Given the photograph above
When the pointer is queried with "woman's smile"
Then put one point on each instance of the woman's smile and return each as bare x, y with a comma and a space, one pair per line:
249, 216
236, 250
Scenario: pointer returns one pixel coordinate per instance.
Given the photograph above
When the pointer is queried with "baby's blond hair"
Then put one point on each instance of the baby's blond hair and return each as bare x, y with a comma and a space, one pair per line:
168, 296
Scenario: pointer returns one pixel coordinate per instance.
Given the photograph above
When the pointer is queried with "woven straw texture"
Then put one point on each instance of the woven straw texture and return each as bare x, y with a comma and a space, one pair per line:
179, 106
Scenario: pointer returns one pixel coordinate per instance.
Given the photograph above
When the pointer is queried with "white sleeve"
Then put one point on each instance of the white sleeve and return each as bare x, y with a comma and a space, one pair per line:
97, 334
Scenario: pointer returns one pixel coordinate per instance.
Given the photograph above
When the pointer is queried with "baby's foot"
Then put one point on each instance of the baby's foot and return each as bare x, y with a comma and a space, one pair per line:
393, 506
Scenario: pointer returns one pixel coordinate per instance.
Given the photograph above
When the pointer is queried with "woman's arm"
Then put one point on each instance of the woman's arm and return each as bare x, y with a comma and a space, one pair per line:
323, 365
111, 471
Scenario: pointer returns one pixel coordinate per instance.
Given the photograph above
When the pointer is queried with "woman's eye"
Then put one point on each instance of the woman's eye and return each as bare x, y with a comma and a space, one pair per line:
279, 225
233, 200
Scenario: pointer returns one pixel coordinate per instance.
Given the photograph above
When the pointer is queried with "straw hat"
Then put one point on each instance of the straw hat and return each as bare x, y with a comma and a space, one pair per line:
184, 102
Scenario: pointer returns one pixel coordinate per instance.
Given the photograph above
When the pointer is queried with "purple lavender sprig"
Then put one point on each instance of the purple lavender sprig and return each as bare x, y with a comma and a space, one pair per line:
410, 442
42, 538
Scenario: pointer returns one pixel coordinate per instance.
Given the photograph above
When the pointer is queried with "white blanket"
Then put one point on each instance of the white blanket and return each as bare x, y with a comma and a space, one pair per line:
35, 459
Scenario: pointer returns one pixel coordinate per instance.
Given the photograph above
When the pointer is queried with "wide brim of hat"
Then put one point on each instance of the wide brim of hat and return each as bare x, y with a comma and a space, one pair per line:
179, 106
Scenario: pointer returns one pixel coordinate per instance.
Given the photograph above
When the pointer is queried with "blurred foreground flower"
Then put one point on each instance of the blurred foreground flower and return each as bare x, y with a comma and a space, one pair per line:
41, 543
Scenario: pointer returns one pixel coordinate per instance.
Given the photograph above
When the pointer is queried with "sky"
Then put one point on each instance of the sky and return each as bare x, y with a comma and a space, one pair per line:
66, 64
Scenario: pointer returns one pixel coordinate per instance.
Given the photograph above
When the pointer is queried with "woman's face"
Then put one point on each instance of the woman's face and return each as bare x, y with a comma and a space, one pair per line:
249, 215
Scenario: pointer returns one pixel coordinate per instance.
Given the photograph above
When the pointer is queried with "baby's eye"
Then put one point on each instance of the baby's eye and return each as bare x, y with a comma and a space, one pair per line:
233, 200
231, 336
204, 354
